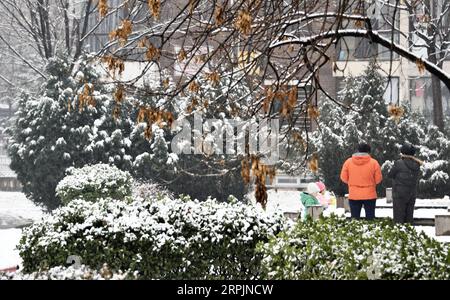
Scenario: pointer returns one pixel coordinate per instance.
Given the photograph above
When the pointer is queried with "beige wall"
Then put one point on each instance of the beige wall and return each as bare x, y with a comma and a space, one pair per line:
401, 67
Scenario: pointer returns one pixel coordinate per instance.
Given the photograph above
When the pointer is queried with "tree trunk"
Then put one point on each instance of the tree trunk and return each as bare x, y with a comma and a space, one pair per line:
438, 113
436, 92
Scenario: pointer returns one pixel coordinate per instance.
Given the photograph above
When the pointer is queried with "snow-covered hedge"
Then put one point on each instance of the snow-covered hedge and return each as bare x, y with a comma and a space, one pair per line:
70, 273
149, 190
333, 248
161, 239
92, 182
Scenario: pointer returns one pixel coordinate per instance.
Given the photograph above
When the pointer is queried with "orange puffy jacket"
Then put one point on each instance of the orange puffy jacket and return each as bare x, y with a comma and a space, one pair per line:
362, 173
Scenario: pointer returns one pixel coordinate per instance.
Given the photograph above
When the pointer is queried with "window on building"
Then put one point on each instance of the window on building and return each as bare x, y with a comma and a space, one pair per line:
421, 96
100, 37
357, 48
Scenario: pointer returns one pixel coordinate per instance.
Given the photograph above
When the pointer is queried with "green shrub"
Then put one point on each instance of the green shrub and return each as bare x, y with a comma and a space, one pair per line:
94, 182
162, 239
333, 248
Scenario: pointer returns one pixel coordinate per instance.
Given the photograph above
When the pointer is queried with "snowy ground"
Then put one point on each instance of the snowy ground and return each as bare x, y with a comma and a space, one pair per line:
289, 201
9, 257
15, 207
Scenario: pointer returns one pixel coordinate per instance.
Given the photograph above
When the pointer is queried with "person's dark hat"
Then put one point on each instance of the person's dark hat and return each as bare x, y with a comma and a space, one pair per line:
364, 148
408, 149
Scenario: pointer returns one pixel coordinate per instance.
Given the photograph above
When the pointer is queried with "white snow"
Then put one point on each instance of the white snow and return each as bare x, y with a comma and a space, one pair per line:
9, 256
17, 205
430, 231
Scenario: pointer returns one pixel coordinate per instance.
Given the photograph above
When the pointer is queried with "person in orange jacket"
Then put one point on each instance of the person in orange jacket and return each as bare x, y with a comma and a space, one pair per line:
362, 173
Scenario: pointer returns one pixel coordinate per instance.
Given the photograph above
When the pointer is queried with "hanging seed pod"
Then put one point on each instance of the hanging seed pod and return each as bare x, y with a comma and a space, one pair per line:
244, 22
219, 13
119, 94
148, 132
245, 171
313, 112
420, 66
313, 164
194, 87
396, 112
116, 112
103, 8
181, 55
152, 53
154, 7
261, 193
213, 77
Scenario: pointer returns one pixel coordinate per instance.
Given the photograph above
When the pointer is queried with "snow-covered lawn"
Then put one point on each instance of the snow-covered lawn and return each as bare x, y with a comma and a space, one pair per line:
9, 257
14, 205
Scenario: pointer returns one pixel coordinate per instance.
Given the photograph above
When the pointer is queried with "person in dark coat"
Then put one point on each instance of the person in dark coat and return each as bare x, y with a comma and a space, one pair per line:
405, 174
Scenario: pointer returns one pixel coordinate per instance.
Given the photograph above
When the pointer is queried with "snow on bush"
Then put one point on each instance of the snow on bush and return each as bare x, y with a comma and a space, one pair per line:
70, 273
92, 182
160, 239
334, 248
148, 190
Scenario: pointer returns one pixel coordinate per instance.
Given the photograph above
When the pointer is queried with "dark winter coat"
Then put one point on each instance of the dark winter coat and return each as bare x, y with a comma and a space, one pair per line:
405, 174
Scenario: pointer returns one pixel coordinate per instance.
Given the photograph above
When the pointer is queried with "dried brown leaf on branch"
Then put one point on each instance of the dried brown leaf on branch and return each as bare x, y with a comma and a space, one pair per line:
119, 93
261, 193
85, 98
313, 163
152, 53
122, 33
359, 24
103, 7
166, 83
219, 15
292, 97
396, 112
213, 77
244, 22
251, 166
245, 170
116, 112
261, 172
155, 8
148, 131
114, 64
181, 55
194, 87
143, 43
270, 95
152, 115
420, 66
313, 112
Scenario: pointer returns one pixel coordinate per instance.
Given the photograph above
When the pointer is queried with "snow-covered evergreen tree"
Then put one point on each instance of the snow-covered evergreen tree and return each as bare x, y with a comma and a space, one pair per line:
368, 120
74, 121
69, 124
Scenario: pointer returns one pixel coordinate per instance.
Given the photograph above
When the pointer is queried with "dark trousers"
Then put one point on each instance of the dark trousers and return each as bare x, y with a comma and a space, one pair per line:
357, 205
404, 209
